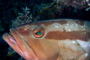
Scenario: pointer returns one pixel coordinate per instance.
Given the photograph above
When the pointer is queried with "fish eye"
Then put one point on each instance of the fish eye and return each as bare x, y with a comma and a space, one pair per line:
38, 32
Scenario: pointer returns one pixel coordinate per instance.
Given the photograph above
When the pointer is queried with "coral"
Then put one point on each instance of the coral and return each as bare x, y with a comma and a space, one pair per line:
78, 4
23, 18
40, 12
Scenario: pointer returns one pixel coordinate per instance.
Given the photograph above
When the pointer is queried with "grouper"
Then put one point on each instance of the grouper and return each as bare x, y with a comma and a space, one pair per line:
56, 39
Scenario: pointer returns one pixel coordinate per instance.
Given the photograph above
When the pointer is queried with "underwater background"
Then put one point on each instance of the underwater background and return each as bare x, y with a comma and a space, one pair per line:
11, 12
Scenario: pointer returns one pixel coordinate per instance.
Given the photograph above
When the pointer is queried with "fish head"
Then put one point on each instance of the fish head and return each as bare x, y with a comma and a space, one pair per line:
29, 41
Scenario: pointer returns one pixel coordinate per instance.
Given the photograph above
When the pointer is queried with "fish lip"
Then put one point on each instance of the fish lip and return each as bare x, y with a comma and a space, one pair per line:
13, 43
7, 37
25, 53
12, 39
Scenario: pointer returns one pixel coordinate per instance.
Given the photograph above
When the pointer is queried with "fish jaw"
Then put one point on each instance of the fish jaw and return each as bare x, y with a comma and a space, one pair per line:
19, 46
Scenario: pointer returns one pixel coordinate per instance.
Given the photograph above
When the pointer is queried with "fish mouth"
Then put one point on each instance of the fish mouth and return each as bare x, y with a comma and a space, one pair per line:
12, 42
19, 45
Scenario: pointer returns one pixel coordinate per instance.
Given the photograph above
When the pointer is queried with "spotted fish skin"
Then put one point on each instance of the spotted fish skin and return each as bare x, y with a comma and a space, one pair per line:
60, 39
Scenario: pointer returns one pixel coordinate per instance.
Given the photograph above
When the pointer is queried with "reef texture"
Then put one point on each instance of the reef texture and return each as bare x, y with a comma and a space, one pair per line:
79, 4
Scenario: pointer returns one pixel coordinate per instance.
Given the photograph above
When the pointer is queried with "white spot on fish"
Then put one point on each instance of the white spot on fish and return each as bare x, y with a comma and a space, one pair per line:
86, 54
74, 42
84, 45
55, 27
